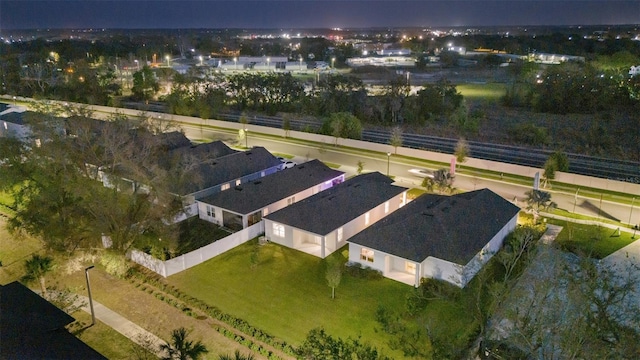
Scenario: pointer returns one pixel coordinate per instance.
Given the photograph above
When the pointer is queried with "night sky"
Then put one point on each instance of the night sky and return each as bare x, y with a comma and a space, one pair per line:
26, 14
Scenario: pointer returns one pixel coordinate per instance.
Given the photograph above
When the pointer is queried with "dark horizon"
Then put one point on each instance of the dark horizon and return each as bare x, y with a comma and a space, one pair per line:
305, 14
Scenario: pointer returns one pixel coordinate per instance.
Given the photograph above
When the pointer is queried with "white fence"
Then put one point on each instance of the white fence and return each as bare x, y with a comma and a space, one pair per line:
196, 257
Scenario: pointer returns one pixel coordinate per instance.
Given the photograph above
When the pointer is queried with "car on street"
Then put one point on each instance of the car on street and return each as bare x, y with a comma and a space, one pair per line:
422, 173
286, 164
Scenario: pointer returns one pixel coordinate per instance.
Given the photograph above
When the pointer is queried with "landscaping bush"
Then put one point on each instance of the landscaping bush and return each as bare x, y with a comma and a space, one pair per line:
358, 271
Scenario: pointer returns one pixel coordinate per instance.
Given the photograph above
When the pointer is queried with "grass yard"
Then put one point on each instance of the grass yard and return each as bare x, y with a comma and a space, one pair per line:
105, 340
286, 294
483, 92
13, 252
591, 240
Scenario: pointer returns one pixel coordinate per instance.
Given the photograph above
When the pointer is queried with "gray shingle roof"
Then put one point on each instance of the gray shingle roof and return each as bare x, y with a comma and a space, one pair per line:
332, 208
453, 228
227, 168
255, 195
13, 117
33, 328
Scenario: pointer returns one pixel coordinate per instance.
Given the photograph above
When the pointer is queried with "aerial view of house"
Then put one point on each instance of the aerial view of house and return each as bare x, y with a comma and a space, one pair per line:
321, 224
442, 237
246, 204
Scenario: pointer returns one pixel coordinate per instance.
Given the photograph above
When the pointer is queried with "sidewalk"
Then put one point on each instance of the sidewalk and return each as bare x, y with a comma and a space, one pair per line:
125, 327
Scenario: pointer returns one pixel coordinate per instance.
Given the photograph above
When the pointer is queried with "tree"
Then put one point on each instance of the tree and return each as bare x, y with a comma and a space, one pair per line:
538, 199
319, 345
182, 349
145, 85
342, 125
442, 180
36, 268
557, 161
395, 139
462, 151
286, 125
360, 167
333, 274
237, 356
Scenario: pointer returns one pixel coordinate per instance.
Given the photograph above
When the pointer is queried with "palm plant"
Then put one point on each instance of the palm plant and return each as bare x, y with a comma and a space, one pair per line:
538, 199
182, 349
237, 356
36, 268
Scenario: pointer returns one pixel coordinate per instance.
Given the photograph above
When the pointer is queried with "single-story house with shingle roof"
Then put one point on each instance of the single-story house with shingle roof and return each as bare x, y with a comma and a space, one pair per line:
322, 223
443, 237
246, 204
225, 172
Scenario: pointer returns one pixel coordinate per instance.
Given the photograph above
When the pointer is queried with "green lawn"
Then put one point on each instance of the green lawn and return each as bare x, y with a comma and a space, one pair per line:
13, 252
486, 92
286, 294
591, 240
105, 340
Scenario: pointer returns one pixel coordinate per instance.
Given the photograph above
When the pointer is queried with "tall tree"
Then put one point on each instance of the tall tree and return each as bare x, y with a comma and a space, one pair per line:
145, 85
179, 348
462, 151
36, 268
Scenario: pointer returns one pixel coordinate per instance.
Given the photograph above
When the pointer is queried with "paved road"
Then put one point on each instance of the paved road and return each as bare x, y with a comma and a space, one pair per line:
579, 204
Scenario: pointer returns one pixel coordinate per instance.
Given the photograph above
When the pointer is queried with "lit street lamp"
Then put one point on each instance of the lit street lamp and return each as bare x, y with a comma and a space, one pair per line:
300, 63
201, 58
246, 138
93, 314
333, 61
137, 65
388, 158
168, 60
268, 60
235, 62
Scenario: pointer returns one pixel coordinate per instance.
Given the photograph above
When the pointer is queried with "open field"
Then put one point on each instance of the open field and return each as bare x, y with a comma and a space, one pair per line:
591, 240
490, 92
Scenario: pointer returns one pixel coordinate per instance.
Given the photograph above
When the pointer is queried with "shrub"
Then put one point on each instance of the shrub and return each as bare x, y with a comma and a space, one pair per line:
114, 264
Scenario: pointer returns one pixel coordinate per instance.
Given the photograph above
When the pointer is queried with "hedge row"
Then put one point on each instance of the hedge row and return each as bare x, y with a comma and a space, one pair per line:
214, 312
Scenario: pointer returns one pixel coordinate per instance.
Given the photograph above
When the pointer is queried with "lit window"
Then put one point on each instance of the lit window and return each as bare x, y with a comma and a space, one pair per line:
366, 255
5, 125
339, 235
226, 186
366, 219
237, 182
386, 207
410, 267
278, 230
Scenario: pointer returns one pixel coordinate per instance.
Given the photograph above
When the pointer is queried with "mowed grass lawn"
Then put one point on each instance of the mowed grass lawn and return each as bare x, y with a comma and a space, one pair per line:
591, 240
286, 294
482, 92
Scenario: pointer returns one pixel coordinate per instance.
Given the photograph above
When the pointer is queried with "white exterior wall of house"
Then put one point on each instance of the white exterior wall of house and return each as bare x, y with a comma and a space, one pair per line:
9, 129
285, 237
397, 268
328, 243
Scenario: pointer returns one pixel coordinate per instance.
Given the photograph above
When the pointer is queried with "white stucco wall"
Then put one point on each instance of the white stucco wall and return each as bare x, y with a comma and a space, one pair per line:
440, 269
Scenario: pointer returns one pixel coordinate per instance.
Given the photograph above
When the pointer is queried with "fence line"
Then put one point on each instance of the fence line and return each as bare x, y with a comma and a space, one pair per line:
173, 266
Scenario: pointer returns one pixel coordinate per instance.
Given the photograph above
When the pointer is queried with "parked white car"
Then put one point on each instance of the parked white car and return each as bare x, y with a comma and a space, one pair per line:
286, 164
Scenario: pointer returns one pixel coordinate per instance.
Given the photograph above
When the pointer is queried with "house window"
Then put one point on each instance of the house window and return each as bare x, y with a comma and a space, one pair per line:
278, 230
262, 174
291, 200
238, 182
366, 255
366, 218
211, 212
386, 207
339, 235
226, 186
5, 125
410, 267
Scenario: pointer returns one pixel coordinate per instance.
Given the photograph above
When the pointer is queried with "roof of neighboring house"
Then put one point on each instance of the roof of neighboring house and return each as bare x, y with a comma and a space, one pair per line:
224, 169
33, 328
255, 195
13, 117
200, 152
328, 210
453, 228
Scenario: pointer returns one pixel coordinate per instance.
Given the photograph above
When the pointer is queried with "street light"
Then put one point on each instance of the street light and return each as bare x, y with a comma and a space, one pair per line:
388, 158
137, 64
268, 60
631, 211
300, 63
201, 58
333, 61
93, 314
235, 63
168, 60
246, 138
